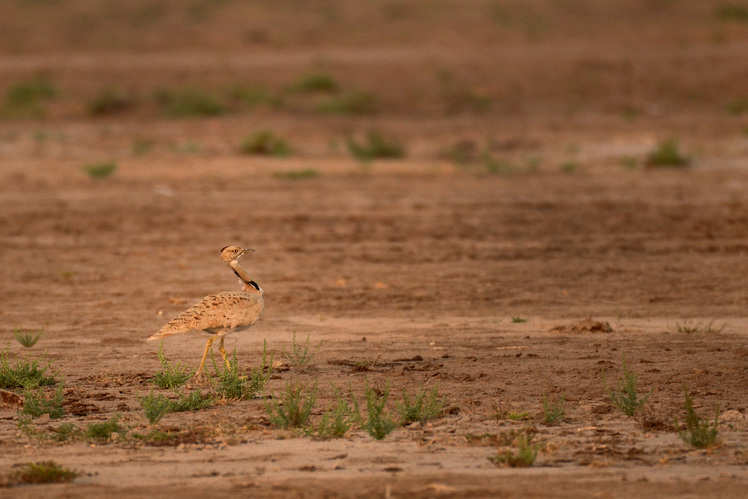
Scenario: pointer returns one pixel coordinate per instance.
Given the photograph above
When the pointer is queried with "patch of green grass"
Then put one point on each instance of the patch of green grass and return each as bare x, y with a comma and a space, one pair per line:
155, 407
553, 410
36, 403
303, 174
265, 143
171, 375
518, 416
376, 146
699, 432
100, 170
734, 12
25, 99
336, 422
667, 155
626, 397
295, 407
193, 401
423, 406
316, 83
155, 437
738, 106
688, 327
103, 431
351, 103
525, 454
232, 385
44, 472
25, 374
255, 96
110, 101
518, 320
496, 166
378, 423
569, 167
300, 355
26, 338
187, 103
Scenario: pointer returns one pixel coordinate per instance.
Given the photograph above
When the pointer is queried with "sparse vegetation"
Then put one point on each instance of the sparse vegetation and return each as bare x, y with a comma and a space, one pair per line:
738, 106
376, 146
155, 407
194, 401
265, 143
553, 410
351, 103
232, 385
252, 97
299, 356
316, 83
626, 397
171, 376
188, 103
524, 456
100, 170
25, 99
110, 101
688, 327
44, 472
667, 155
569, 166
336, 422
497, 166
142, 146
518, 320
25, 374
26, 338
65, 432
303, 174
732, 12
699, 432
295, 407
629, 162
423, 406
378, 423
36, 403
103, 431
518, 415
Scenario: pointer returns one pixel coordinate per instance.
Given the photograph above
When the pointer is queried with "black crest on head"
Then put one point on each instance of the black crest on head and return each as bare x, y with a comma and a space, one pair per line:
224, 248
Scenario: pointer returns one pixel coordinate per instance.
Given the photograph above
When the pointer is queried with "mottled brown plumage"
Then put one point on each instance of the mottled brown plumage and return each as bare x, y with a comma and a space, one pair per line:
222, 313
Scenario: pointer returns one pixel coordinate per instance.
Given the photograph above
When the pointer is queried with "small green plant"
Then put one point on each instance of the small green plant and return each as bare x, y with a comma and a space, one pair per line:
25, 374
668, 155
44, 472
255, 96
299, 356
295, 407
553, 410
265, 143
316, 83
188, 103
518, 320
699, 327
376, 146
699, 432
192, 402
171, 376
569, 167
424, 406
232, 385
100, 170
65, 432
25, 99
378, 424
626, 397
304, 174
155, 407
732, 12
524, 456
462, 153
518, 416
497, 166
26, 338
738, 106
141, 146
351, 103
36, 403
103, 431
336, 422
110, 101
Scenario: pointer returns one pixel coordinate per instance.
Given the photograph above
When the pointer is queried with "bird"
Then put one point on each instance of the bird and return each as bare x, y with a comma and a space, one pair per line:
222, 313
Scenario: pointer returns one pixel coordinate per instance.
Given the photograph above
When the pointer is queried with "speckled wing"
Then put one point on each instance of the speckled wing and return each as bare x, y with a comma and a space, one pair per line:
227, 310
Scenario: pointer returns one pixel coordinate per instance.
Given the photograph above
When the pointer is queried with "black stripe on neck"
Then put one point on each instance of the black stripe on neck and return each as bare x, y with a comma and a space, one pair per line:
254, 285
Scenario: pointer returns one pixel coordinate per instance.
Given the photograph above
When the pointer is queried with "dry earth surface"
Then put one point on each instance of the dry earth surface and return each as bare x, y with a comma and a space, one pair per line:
525, 194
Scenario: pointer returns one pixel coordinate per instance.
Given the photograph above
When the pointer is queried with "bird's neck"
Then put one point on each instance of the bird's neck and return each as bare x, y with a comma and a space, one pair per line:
248, 284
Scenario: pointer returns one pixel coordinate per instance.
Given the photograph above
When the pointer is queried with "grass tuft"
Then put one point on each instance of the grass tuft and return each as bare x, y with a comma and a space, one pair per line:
699, 327
518, 320
524, 456
699, 432
100, 170
25, 374
36, 403
265, 143
295, 407
187, 103
424, 406
232, 385
171, 375
304, 174
193, 401
316, 83
376, 146
336, 422
25, 99
299, 356
626, 397
65, 432
732, 12
44, 472
553, 410
26, 338
155, 407
110, 101
667, 155
352, 103
103, 431
378, 424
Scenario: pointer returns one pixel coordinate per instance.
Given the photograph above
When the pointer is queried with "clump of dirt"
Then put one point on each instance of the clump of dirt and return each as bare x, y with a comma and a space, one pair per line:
584, 326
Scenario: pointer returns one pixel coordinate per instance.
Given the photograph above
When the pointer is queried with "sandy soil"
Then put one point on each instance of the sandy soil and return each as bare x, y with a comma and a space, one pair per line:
412, 268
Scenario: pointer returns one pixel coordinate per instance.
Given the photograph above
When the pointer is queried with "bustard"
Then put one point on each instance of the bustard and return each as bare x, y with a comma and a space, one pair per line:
222, 313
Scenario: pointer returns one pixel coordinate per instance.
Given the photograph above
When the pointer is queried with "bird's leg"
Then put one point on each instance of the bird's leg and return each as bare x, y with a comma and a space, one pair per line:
199, 372
223, 354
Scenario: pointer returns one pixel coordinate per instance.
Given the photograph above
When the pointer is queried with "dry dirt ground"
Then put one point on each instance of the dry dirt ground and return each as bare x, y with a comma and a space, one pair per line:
409, 273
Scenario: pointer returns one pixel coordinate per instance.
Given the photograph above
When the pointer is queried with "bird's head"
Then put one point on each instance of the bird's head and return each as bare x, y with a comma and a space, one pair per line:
230, 253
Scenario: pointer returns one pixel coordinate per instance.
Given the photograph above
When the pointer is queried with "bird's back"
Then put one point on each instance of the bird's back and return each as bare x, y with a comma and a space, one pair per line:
227, 310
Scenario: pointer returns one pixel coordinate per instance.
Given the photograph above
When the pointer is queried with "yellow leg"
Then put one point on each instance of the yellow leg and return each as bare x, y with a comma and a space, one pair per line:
223, 354
199, 372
